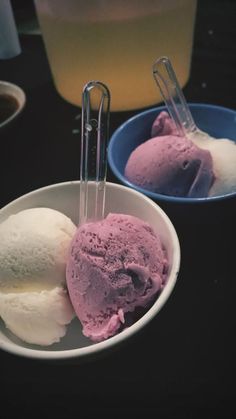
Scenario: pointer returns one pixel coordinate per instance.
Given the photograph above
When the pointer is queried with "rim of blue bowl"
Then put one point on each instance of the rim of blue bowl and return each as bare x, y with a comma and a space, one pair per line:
154, 195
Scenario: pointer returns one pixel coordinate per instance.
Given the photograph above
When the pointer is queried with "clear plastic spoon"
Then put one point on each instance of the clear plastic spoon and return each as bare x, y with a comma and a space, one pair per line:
174, 99
94, 137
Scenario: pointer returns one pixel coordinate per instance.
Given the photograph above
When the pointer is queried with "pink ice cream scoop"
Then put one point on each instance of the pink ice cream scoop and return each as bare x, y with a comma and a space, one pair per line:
163, 125
170, 165
115, 266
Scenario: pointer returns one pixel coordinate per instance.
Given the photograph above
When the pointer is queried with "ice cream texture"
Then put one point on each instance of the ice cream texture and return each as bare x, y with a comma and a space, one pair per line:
34, 302
37, 317
115, 266
223, 153
169, 164
190, 166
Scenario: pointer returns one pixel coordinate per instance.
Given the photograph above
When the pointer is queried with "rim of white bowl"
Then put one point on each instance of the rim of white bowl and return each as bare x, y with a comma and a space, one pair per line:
96, 348
18, 94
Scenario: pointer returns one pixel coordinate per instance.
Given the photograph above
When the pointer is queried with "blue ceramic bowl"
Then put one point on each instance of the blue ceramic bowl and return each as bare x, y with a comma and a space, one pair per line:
217, 121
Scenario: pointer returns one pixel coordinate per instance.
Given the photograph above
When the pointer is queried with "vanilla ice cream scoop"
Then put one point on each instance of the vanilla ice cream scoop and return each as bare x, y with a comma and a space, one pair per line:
223, 153
37, 317
34, 302
33, 249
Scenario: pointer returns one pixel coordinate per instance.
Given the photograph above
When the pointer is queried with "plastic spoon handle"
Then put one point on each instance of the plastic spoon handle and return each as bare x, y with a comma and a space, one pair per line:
172, 94
94, 137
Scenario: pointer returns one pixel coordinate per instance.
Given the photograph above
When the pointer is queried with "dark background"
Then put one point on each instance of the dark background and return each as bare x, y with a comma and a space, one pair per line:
183, 364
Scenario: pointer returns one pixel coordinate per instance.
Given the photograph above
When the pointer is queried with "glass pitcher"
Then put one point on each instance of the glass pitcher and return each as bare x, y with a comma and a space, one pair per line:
116, 42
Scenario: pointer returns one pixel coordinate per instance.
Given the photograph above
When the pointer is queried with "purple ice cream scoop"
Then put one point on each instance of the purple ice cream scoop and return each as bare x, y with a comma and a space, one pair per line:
163, 125
170, 165
115, 266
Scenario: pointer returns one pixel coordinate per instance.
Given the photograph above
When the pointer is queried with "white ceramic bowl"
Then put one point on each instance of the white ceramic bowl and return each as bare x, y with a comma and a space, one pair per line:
14, 91
65, 198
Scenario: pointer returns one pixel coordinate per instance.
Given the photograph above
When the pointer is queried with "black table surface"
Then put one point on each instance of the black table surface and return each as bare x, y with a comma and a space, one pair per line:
183, 364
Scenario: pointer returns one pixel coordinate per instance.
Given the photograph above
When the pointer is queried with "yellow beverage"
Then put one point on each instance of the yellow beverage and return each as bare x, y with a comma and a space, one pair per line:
116, 45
